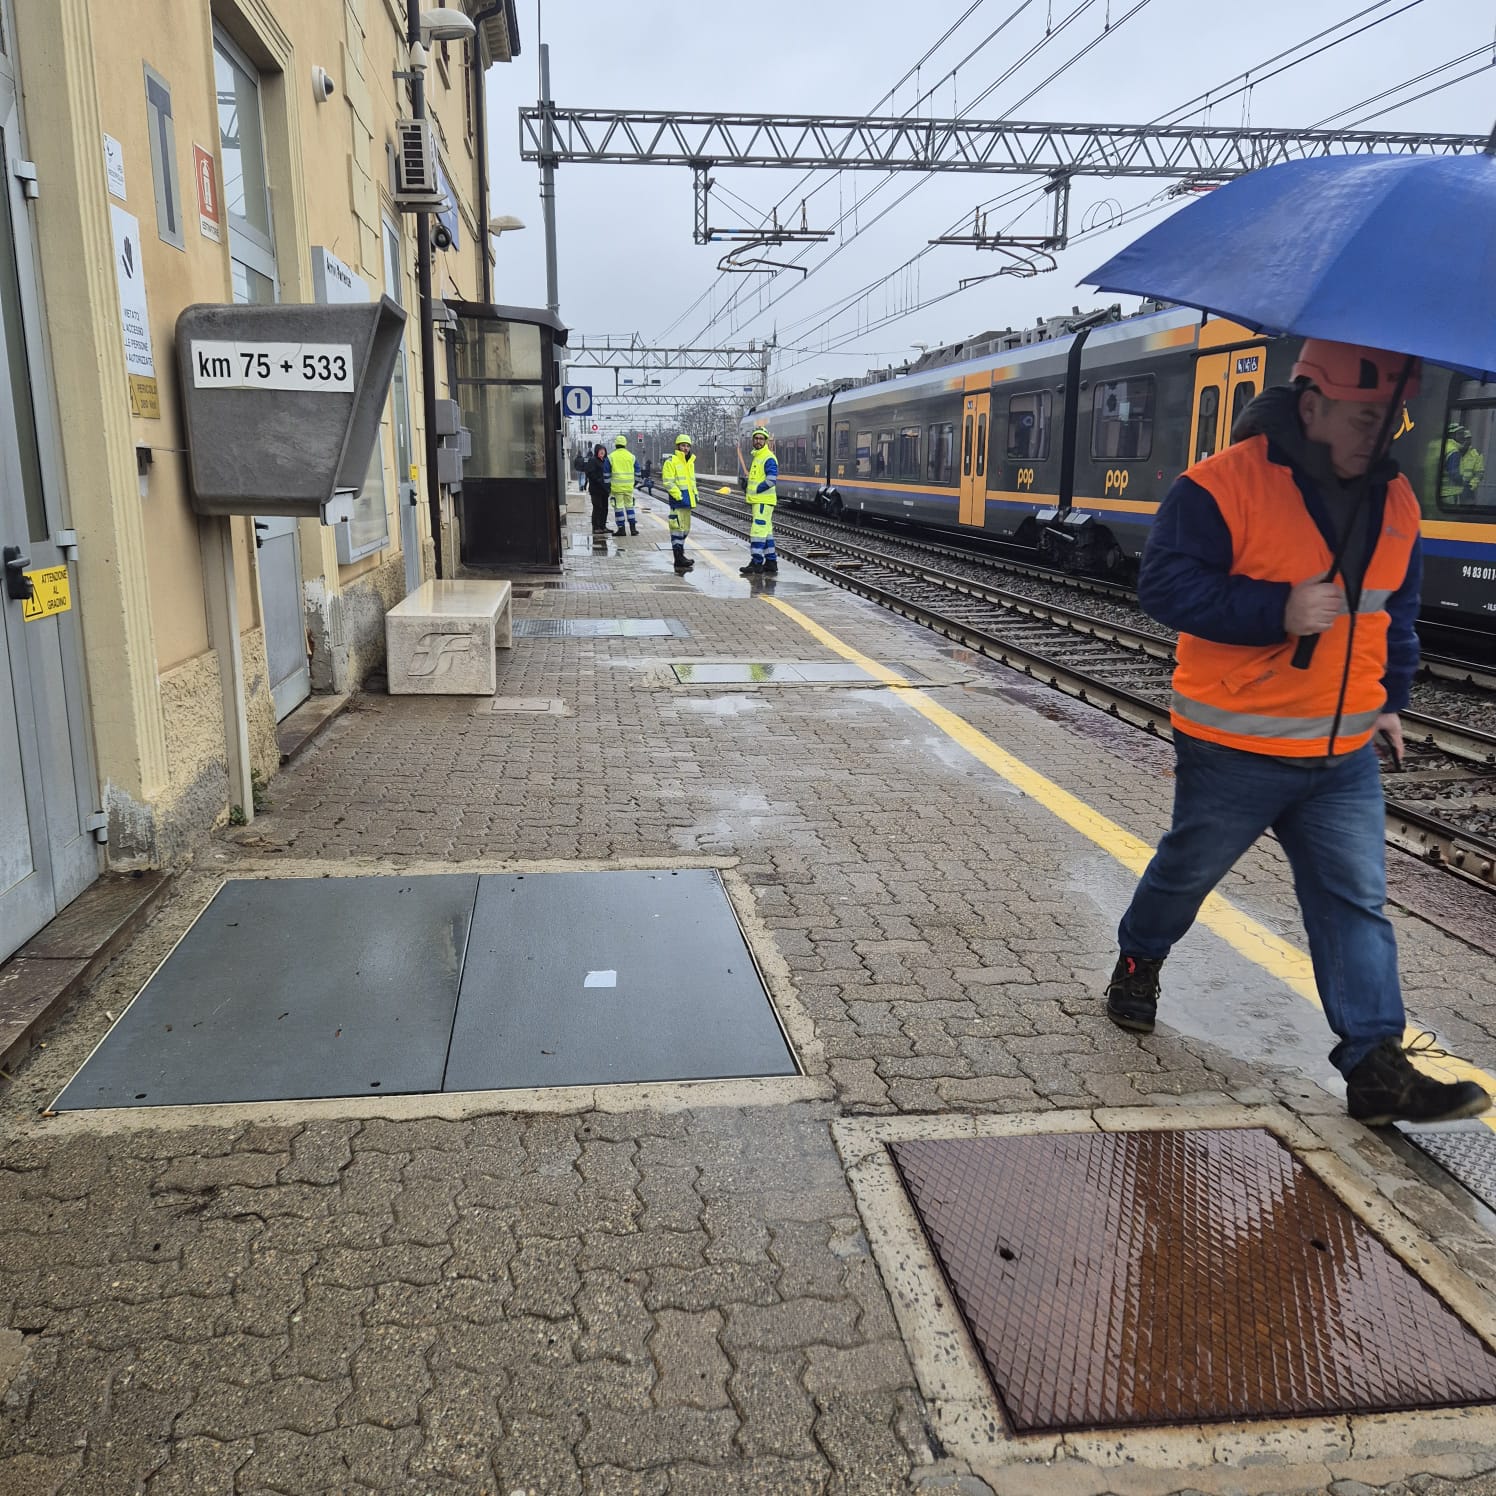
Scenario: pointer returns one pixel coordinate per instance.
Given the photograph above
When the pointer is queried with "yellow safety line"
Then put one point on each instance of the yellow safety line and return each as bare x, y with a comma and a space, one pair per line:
1240, 931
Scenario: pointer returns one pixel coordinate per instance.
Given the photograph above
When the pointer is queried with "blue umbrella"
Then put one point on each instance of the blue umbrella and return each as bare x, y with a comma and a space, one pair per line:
1395, 252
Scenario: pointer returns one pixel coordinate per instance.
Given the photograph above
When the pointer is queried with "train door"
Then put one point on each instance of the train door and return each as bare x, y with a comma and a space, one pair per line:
1244, 382
974, 422
1211, 381
1225, 384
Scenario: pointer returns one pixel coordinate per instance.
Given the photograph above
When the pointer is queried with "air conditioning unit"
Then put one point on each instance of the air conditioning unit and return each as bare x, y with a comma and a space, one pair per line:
417, 187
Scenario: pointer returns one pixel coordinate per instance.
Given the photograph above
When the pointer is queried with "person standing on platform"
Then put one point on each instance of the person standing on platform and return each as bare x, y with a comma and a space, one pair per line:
597, 475
1301, 529
763, 472
646, 477
621, 483
678, 474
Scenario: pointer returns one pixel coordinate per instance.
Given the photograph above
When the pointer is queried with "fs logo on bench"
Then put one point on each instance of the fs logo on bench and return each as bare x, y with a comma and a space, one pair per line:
435, 653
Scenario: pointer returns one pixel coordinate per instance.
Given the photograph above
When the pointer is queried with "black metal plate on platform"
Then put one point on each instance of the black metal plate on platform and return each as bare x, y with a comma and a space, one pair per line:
293, 987
600, 628
1466, 1153
1114, 1279
597, 978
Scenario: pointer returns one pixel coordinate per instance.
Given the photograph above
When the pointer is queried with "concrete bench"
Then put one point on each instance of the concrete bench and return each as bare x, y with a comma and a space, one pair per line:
440, 640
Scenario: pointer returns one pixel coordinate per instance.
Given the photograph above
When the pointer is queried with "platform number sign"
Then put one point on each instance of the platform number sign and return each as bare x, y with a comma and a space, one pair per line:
576, 399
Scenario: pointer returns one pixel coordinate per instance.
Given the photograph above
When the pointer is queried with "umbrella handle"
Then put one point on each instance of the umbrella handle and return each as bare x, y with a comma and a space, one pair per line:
1304, 651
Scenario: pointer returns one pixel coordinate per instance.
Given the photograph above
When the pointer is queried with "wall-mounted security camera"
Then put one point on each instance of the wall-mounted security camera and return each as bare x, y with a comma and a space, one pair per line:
441, 236
323, 88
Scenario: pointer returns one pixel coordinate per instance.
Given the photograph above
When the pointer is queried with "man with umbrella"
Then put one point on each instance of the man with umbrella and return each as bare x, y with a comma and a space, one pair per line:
1238, 562
1289, 563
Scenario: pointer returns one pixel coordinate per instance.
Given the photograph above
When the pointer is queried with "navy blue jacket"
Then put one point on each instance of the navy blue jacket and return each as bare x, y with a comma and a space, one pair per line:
1185, 579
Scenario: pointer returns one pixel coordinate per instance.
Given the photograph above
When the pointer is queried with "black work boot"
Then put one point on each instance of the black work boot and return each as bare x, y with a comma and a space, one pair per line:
633, 529
619, 530
752, 569
1385, 1087
1132, 993
681, 564
771, 568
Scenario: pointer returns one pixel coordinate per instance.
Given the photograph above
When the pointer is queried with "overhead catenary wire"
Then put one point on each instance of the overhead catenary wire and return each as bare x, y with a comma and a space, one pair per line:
1376, 98
806, 176
1200, 103
845, 304
846, 240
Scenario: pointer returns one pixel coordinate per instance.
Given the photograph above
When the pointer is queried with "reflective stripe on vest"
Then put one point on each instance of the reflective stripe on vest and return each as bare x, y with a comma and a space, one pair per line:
1249, 696
760, 460
621, 470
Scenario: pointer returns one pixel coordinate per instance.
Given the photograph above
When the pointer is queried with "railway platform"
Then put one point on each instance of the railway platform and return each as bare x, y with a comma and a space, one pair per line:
615, 1240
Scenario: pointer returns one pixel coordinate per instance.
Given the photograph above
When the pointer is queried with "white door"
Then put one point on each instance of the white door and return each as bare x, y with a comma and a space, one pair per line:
246, 197
47, 854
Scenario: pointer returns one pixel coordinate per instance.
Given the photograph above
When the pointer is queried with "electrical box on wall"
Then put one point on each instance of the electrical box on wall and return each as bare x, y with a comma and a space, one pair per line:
281, 404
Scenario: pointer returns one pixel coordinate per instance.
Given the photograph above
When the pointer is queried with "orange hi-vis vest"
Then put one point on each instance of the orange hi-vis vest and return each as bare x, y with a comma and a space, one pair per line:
1249, 696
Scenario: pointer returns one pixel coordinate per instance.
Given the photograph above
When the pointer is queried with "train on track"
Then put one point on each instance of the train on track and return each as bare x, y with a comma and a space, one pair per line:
1064, 438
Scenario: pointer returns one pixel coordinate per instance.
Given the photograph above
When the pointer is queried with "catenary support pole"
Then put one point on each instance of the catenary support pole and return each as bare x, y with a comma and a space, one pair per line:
423, 298
548, 187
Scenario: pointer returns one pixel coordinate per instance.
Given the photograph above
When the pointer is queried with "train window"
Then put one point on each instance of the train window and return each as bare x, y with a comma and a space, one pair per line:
966, 448
940, 459
883, 462
981, 444
1122, 419
1207, 420
1459, 459
909, 453
1241, 398
1028, 426
800, 464
864, 454
820, 442
843, 440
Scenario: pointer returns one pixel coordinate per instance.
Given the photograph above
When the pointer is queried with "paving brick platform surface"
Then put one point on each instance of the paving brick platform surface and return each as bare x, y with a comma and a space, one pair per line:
640, 1300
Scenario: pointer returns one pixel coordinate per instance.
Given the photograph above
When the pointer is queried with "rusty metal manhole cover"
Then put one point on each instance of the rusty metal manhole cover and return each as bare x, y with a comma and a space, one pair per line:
1177, 1277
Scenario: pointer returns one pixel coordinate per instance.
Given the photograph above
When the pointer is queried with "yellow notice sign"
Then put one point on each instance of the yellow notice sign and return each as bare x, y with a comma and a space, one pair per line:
145, 399
52, 594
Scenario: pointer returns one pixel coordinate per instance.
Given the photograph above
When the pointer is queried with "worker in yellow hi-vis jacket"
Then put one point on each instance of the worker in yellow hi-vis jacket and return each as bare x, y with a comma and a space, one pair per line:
621, 483
678, 474
763, 473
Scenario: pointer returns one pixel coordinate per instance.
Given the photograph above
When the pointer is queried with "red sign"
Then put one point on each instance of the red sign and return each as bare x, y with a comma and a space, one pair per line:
594, 425
209, 215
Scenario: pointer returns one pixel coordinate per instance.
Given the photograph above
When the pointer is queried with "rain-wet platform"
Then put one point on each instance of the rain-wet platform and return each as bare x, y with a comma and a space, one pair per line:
925, 856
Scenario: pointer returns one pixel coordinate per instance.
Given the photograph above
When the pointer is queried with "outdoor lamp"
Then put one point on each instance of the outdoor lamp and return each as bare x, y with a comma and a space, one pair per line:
446, 26
503, 223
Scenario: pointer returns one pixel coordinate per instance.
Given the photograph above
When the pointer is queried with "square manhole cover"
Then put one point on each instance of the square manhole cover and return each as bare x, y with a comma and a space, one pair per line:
538, 706
1118, 1279
600, 628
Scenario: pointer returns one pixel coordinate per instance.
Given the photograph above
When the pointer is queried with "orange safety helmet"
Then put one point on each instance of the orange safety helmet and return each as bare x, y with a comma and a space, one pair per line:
1346, 371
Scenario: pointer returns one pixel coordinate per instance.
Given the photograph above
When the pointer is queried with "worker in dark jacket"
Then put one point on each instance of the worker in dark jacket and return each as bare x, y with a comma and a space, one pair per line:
599, 487
1239, 561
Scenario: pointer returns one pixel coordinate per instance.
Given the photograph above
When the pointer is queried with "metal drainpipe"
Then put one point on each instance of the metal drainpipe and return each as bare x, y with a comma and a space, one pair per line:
423, 299
480, 100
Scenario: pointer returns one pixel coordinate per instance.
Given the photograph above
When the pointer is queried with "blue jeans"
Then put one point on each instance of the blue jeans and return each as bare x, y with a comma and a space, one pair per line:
1329, 819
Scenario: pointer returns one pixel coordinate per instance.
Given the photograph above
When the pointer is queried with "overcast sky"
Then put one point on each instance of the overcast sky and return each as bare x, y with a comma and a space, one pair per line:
626, 260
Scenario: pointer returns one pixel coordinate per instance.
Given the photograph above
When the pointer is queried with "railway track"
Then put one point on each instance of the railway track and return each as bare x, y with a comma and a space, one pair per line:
1441, 806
